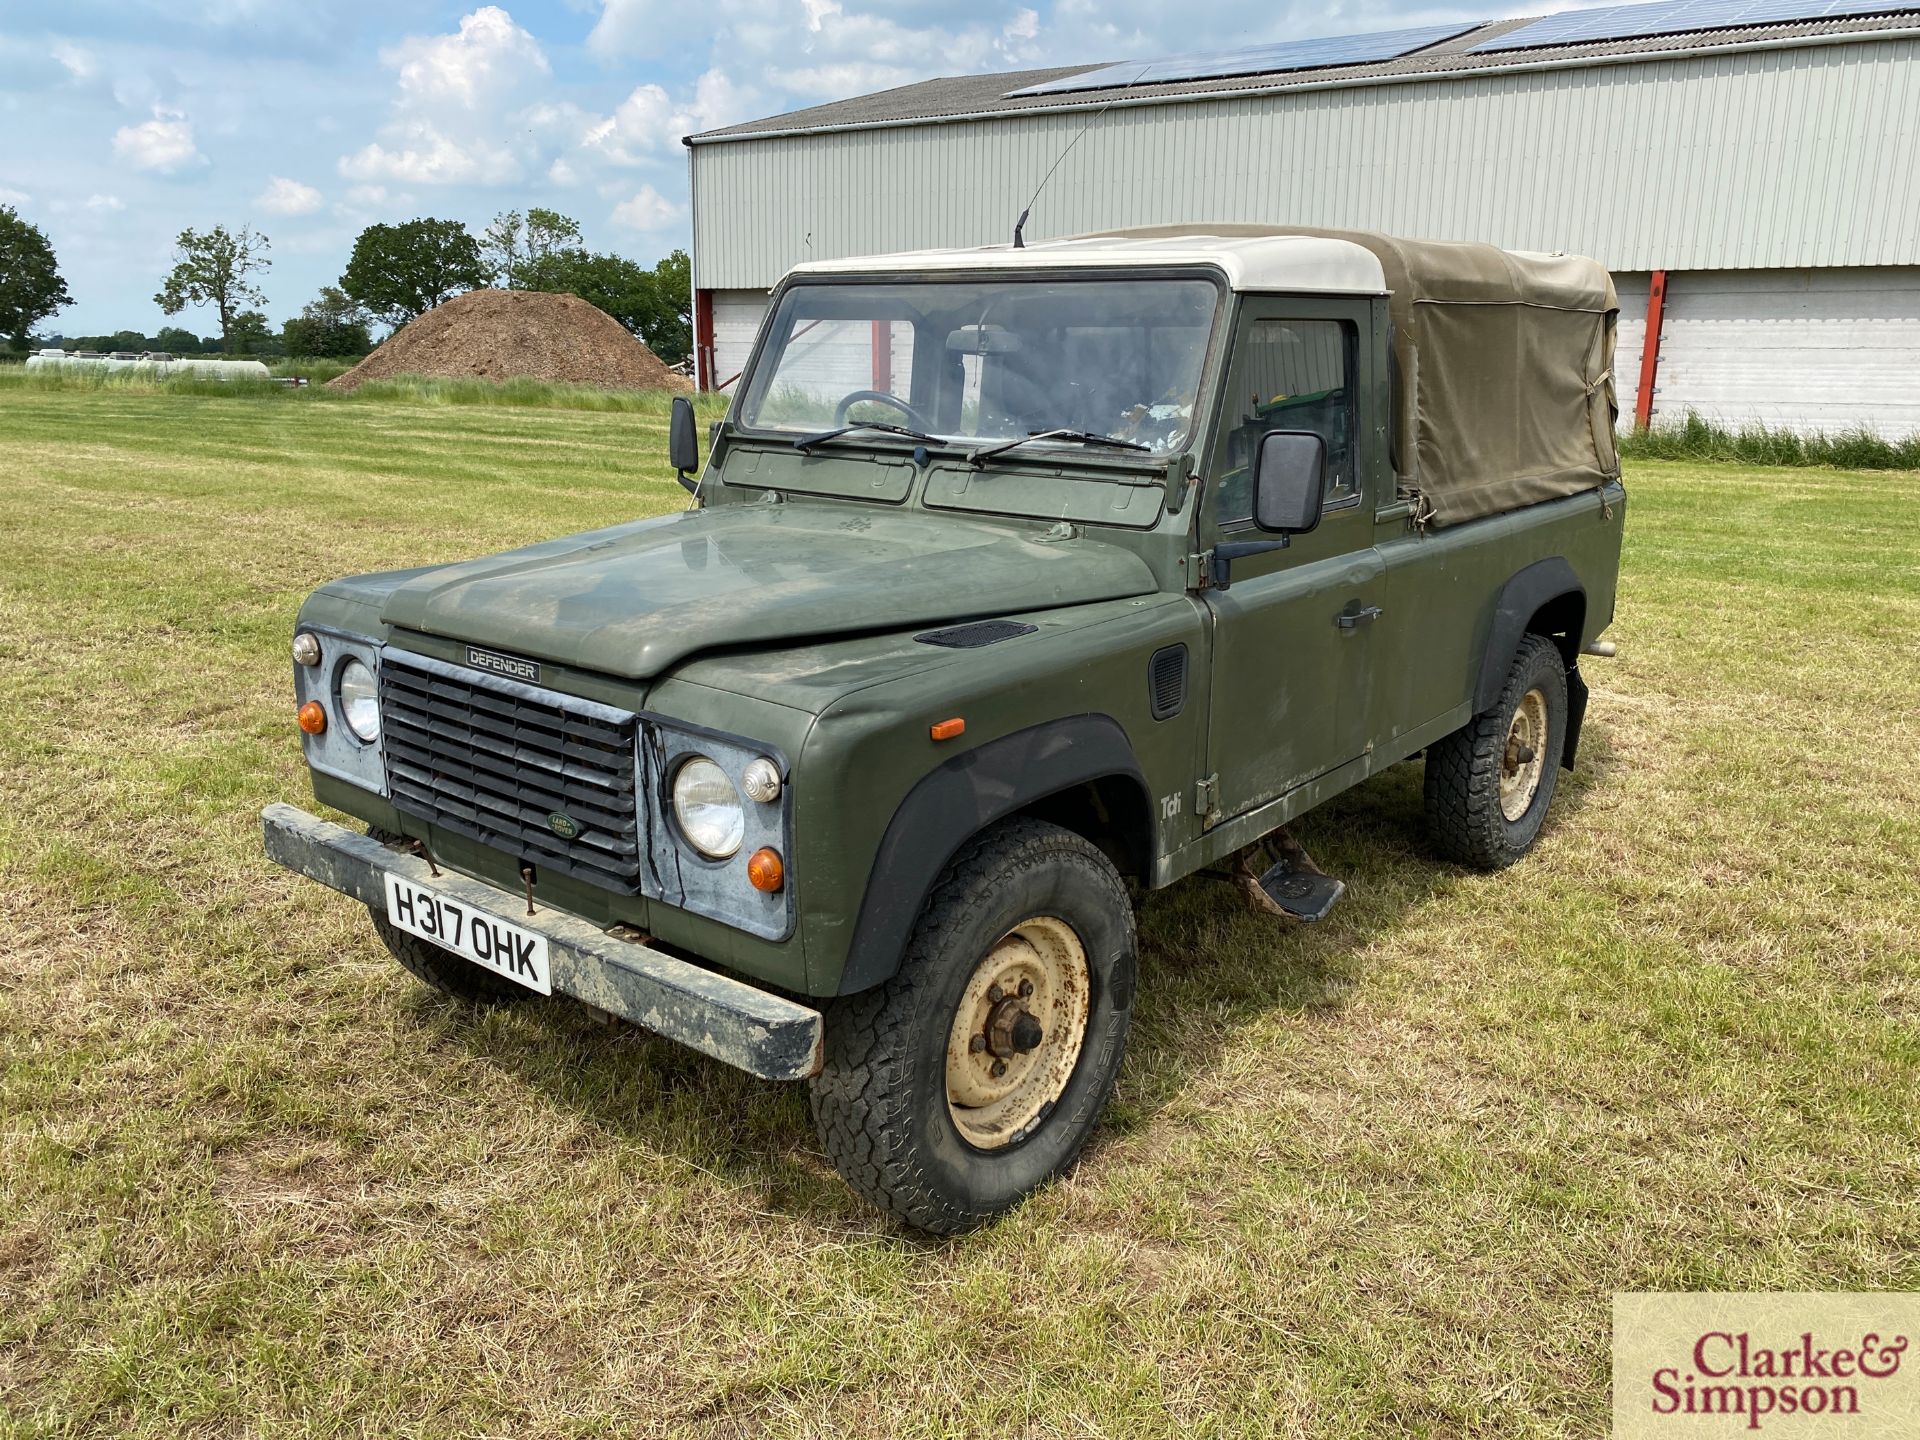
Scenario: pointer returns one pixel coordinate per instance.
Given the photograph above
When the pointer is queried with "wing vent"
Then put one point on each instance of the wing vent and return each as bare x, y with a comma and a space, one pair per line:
1167, 681
972, 637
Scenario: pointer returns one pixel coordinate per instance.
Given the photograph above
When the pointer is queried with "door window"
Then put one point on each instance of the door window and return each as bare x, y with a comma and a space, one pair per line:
1290, 375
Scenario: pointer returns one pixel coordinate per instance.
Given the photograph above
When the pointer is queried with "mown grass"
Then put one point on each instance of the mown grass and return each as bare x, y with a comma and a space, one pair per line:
401, 390
1380, 1176
1695, 438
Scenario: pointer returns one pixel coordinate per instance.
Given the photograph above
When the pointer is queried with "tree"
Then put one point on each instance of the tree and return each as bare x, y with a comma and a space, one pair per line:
612, 282
175, 341
670, 335
253, 335
400, 271
656, 304
332, 325
513, 245
30, 285
212, 269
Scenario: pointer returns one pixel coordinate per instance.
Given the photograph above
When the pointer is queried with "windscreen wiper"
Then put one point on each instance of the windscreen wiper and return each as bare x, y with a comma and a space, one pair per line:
807, 442
979, 457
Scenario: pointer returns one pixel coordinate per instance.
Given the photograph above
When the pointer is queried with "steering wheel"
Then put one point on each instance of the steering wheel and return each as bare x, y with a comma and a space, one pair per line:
853, 398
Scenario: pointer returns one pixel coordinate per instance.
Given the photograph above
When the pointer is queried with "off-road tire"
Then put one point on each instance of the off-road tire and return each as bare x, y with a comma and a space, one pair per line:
446, 972
1463, 807
881, 1101
443, 970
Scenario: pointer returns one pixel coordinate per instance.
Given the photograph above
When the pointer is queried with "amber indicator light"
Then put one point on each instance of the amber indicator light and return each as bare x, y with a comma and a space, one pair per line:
947, 729
765, 871
313, 717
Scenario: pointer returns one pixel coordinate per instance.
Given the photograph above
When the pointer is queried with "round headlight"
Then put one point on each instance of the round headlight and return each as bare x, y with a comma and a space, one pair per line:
359, 701
708, 808
761, 781
306, 648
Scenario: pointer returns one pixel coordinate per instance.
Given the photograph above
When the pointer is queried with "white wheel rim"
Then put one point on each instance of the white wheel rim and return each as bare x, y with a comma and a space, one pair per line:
1525, 759
1036, 976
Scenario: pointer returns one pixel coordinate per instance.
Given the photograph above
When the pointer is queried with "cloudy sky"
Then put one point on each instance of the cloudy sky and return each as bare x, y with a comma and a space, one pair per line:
127, 120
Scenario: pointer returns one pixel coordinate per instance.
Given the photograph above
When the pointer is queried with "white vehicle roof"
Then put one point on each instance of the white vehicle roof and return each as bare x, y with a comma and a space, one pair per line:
1250, 262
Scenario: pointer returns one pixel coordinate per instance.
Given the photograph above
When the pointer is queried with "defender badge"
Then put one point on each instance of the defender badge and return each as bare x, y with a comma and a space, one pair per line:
510, 666
563, 825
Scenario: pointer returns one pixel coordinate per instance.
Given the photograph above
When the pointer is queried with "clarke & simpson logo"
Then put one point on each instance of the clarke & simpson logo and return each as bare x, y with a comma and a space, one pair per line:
1784, 1365
1733, 1375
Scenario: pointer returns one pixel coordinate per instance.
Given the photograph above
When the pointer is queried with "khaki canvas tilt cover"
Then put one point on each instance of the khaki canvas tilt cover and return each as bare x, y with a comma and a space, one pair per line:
1503, 361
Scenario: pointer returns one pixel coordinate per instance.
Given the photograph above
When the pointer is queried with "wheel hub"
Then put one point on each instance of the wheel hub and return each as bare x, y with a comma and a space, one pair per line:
1017, 1032
1011, 1029
1523, 761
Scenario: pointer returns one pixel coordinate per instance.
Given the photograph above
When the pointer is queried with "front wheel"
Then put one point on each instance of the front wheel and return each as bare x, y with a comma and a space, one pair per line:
980, 1070
443, 970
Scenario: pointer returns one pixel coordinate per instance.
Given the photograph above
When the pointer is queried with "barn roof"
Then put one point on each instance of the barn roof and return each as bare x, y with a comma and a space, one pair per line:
985, 96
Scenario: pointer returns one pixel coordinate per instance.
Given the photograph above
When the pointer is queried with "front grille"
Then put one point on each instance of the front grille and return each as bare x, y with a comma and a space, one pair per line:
496, 761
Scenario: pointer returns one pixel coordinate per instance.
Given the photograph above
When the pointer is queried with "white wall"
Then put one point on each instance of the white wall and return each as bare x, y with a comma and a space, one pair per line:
1800, 349
1629, 340
736, 321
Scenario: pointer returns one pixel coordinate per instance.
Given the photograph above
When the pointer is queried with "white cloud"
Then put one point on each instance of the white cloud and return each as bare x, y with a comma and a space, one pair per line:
79, 63
423, 154
362, 201
648, 123
628, 28
288, 197
826, 49
648, 211
847, 77
163, 144
454, 119
105, 202
487, 56
14, 197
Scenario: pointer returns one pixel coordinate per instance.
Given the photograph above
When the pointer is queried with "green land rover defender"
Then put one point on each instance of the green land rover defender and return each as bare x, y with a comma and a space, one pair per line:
1013, 575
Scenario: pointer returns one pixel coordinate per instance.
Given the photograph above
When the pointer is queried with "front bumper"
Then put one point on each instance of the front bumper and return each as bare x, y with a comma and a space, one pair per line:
730, 1020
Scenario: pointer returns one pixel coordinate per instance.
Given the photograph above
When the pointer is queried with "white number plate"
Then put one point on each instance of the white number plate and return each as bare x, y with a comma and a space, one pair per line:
501, 946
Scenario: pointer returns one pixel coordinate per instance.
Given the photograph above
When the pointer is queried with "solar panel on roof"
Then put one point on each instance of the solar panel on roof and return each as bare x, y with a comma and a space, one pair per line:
1675, 17
1260, 60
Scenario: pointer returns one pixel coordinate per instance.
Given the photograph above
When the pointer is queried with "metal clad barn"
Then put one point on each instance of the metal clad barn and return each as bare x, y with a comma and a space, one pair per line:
1755, 191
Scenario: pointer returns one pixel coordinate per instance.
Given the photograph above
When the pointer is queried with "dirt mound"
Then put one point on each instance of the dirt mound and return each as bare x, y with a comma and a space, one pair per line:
505, 334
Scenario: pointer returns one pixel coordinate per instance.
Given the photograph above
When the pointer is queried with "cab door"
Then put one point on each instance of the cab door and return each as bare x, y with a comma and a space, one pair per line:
1290, 634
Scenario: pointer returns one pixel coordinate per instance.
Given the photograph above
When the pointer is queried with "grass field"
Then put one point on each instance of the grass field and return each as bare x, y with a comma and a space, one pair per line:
1377, 1177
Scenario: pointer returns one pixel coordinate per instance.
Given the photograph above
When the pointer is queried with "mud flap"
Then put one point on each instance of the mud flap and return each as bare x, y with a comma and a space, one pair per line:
1576, 713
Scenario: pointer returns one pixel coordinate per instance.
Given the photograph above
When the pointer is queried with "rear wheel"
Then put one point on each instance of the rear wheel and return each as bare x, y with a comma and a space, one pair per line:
980, 1070
1489, 784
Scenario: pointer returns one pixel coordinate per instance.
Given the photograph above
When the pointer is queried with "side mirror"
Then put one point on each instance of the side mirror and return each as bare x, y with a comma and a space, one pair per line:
683, 442
1289, 479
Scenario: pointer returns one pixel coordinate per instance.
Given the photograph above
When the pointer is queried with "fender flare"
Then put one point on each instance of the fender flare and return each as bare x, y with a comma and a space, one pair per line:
954, 802
1521, 597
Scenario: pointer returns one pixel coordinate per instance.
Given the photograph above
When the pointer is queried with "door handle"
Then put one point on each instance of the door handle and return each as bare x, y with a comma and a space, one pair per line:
1352, 619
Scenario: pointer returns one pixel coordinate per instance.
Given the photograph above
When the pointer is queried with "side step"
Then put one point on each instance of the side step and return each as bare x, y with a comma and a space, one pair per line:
1292, 885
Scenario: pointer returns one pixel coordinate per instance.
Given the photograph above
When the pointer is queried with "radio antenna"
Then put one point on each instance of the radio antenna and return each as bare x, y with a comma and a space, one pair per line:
1021, 224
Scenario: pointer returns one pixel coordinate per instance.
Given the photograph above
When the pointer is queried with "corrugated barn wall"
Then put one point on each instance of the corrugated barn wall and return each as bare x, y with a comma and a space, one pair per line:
1736, 173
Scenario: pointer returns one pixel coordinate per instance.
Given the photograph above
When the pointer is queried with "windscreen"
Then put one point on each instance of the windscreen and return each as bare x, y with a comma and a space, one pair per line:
988, 360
